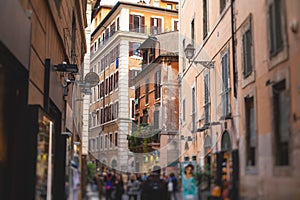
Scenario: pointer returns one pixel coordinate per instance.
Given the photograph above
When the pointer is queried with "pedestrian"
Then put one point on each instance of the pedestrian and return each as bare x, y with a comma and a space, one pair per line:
108, 186
100, 185
174, 184
155, 187
119, 187
133, 187
76, 180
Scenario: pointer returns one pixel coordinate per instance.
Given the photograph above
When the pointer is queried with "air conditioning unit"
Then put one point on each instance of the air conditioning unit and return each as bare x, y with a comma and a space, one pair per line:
177, 7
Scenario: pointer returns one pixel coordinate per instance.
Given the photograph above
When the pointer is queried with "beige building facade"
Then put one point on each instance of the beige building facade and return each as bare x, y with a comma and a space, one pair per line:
238, 110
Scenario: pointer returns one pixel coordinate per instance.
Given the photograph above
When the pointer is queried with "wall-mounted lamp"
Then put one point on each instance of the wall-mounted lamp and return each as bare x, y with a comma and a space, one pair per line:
189, 54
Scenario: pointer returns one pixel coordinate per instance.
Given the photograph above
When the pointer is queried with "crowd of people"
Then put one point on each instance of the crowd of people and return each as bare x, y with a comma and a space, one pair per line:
152, 186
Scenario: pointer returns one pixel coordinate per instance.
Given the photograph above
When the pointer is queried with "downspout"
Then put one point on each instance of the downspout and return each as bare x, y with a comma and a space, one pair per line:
235, 78
235, 153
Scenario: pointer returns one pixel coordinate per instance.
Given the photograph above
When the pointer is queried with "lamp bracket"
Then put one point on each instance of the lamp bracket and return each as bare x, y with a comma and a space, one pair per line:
206, 64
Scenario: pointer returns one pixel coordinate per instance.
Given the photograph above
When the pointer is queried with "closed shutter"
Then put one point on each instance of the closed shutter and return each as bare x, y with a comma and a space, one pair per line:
152, 25
142, 24
131, 48
131, 18
175, 25
159, 28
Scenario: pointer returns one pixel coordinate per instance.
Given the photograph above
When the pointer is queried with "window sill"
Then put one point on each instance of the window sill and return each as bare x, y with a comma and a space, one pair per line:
247, 80
282, 170
251, 170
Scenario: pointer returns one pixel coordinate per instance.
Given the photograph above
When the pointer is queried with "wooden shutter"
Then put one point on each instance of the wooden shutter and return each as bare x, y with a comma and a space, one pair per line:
175, 26
159, 25
130, 48
151, 25
142, 27
131, 19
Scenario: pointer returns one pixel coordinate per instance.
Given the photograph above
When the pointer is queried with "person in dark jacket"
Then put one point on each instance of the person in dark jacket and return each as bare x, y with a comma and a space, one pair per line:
154, 187
119, 187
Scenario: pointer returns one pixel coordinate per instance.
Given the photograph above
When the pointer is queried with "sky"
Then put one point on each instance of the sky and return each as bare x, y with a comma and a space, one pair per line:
113, 2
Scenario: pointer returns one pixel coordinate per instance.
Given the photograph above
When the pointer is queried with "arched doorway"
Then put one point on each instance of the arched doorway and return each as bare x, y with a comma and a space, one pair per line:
225, 142
114, 164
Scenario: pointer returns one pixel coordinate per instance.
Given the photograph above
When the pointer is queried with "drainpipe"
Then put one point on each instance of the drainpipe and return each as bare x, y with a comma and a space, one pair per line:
235, 153
235, 78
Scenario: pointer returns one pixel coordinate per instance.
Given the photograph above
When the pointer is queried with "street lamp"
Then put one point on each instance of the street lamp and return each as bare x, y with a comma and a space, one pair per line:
189, 54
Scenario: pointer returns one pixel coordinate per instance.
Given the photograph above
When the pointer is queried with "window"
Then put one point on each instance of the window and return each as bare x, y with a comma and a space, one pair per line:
281, 123
156, 3
112, 29
250, 131
106, 34
132, 74
169, 6
225, 89
193, 109
116, 79
116, 139
155, 24
98, 142
152, 53
157, 85
136, 23
95, 46
193, 31
110, 140
175, 25
183, 110
106, 142
156, 119
118, 23
132, 103
205, 19
134, 49
275, 27
206, 100
101, 142
183, 60
222, 5
247, 52
99, 42
147, 92
137, 96
103, 38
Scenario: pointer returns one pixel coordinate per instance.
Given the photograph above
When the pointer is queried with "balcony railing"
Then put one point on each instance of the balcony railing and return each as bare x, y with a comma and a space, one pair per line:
143, 139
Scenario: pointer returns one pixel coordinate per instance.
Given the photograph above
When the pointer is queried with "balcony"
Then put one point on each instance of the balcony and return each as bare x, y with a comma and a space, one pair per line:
143, 139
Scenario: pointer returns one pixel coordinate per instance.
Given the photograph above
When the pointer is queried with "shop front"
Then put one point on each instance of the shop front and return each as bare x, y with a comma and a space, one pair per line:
224, 167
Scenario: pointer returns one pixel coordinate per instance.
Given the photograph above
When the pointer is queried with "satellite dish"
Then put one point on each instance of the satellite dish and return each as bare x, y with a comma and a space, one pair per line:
92, 78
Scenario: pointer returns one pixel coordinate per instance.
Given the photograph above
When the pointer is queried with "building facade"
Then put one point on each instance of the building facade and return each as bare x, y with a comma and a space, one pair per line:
209, 113
35, 95
114, 54
238, 115
266, 58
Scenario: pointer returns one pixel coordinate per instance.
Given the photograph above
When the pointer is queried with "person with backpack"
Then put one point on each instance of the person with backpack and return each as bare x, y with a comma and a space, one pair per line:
154, 188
